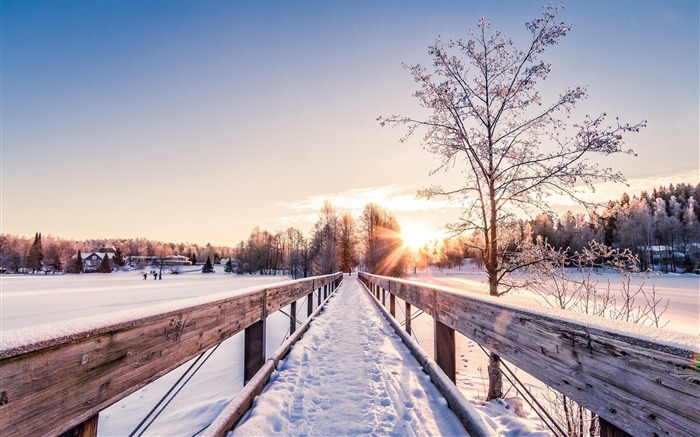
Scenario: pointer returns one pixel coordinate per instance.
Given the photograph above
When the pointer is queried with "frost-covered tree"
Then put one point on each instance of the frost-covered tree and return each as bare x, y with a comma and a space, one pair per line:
296, 253
487, 118
324, 242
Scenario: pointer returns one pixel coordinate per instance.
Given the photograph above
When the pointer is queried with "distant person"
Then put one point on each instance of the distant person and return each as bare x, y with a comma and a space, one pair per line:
155, 275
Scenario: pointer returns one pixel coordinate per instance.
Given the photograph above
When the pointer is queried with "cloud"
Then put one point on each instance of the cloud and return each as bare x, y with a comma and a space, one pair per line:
401, 200
396, 198
611, 191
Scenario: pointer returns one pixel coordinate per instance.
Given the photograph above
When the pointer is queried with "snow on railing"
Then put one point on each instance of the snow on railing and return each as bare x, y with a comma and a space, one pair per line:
642, 380
58, 377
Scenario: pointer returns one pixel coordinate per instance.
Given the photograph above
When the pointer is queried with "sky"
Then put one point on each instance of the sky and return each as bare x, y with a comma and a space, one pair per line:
188, 121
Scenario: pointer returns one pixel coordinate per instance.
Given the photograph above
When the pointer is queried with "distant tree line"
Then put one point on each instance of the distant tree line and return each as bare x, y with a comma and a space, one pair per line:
49, 254
661, 228
337, 242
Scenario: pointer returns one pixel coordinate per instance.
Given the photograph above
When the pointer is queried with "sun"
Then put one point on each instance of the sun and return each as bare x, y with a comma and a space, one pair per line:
415, 235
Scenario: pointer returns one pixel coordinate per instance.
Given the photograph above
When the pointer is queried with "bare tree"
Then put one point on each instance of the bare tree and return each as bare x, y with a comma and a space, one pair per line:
347, 242
381, 240
486, 112
325, 241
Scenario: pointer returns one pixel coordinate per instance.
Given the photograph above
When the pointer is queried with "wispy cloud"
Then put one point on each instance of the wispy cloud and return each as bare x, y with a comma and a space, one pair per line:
393, 197
611, 191
396, 198
402, 200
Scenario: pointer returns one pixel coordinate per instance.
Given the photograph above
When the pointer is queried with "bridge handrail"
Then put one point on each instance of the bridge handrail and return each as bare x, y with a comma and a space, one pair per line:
641, 380
60, 376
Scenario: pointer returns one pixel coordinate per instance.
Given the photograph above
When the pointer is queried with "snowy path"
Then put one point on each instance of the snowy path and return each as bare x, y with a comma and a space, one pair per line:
350, 375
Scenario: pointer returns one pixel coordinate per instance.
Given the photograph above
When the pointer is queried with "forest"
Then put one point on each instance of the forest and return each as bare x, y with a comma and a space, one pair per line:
661, 227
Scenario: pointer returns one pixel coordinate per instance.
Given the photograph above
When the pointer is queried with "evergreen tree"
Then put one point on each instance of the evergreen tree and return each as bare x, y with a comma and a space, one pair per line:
78, 264
119, 258
228, 268
208, 267
56, 262
105, 265
36, 254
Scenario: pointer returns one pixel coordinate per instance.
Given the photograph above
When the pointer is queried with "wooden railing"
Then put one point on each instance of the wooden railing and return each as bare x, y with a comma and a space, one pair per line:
54, 383
635, 379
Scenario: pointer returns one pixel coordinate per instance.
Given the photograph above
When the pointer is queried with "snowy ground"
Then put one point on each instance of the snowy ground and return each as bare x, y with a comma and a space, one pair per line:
350, 375
33, 300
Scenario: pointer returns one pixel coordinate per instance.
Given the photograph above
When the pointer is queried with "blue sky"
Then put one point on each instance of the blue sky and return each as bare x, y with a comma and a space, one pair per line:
196, 121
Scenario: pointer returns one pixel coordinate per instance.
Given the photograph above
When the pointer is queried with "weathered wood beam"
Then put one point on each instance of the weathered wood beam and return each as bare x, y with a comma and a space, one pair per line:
50, 385
637, 384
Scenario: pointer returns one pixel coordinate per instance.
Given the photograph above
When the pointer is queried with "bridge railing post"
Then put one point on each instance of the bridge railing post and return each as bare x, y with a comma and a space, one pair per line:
254, 345
444, 340
87, 428
310, 304
609, 430
293, 317
408, 317
392, 305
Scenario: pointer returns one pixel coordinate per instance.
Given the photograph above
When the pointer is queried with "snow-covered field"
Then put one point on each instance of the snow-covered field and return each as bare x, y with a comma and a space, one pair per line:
682, 291
28, 301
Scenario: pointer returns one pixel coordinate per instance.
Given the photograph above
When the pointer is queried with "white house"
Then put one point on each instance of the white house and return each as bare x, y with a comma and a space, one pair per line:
92, 260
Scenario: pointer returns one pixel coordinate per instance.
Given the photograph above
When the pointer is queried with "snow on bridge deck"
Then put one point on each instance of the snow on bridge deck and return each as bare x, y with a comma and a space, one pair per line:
350, 375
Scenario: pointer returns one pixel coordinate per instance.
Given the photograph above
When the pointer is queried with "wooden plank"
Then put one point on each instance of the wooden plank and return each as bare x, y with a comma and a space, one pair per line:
280, 297
639, 386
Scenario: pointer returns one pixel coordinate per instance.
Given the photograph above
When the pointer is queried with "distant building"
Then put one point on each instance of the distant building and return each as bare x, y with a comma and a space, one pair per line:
170, 260
92, 260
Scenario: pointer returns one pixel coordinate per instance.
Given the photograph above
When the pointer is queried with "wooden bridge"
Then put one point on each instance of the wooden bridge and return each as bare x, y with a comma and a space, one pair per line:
57, 384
